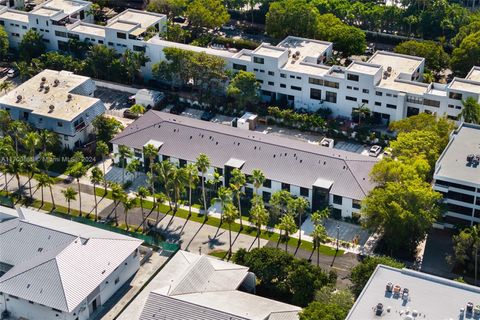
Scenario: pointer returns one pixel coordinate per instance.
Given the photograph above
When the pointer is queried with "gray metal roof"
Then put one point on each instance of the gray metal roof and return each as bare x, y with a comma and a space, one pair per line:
204, 288
281, 159
57, 262
452, 164
433, 298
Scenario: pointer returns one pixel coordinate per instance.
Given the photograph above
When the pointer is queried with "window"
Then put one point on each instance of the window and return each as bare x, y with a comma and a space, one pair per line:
460, 196
299, 78
292, 77
351, 98
337, 199
315, 94
139, 48
266, 196
255, 69
318, 82
349, 87
431, 103
262, 71
110, 43
100, 41
24, 27
414, 100
117, 280
459, 209
258, 60
356, 204
283, 75
331, 96
355, 88
259, 81
283, 85
365, 101
296, 88
74, 36
388, 94
451, 106
455, 95
59, 124
121, 35
352, 77
271, 83
286, 186
365, 90
391, 106
182, 162
304, 192
452, 117
61, 34
458, 107
378, 103
378, 93
2, 23
271, 73
237, 66
267, 183
331, 84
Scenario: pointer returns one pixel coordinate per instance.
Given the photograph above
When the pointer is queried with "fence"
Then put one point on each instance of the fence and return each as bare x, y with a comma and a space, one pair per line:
150, 240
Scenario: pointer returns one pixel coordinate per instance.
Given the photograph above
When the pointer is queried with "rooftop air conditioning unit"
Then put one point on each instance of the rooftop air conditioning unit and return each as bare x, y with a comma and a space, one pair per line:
69, 97
44, 79
56, 82
389, 69
51, 108
19, 98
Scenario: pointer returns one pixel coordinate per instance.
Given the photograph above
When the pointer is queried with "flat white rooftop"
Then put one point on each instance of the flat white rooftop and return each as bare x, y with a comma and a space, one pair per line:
67, 6
433, 298
306, 47
453, 163
123, 26
90, 29
465, 85
364, 68
413, 87
269, 51
398, 62
145, 19
215, 52
40, 102
46, 12
474, 74
15, 16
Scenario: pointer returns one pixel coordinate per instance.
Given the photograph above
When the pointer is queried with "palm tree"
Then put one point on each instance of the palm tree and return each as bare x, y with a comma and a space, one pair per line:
298, 206
258, 178
362, 112
142, 193
203, 163
48, 139
230, 213
318, 216
5, 86
32, 142
319, 236
70, 195
177, 183
137, 109
15, 167
191, 172
46, 160
103, 151
5, 121
150, 152
258, 215
117, 194
471, 111
96, 177
30, 167
288, 226
18, 129
77, 170
6, 150
43, 181
237, 182
124, 153
132, 167
164, 173
128, 204
224, 196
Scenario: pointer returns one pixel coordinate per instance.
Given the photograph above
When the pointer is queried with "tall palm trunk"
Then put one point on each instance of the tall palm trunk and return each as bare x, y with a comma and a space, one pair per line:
115, 203
143, 215
96, 203
240, 210
318, 254
105, 183
204, 198
189, 201
53, 199
258, 235
230, 240
299, 227
79, 199
41, 190
126, 220
30, 186
5, 187
18, 183
68, 204
286, 241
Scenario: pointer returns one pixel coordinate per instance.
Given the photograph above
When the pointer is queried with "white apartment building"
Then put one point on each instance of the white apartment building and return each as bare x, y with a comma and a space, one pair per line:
53, 268
457, 177
59, 101
294, 71
324, 176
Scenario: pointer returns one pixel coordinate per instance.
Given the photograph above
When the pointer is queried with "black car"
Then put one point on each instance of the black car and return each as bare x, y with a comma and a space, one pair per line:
179, 19
207, 116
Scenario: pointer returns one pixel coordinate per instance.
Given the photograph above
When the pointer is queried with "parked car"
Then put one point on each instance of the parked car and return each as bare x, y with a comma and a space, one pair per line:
375, 151
179, 19
12, 73
387, 153
207, 116
228, 27
4, 71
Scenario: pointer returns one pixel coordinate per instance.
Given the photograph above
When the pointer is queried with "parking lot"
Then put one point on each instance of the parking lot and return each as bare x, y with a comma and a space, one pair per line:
113, 99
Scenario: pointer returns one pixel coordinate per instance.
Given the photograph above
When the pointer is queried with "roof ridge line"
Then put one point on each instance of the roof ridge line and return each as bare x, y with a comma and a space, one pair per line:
61, 282
130, 133
355, 178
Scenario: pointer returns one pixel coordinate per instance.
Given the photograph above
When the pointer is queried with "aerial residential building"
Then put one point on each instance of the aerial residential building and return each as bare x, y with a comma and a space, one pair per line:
294, 72
59, 101
324, 176
200, 287
405, 294
457, 176
53, 268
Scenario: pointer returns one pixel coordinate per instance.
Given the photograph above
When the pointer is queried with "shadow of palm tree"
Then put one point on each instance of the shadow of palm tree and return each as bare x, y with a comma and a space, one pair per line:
196, 233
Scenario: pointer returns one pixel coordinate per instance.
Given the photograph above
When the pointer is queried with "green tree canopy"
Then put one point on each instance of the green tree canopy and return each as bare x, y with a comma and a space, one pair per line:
31, 46
465, 244
171, 8
292, 18
402, 212
244, 88
329, 304
208, 14
391, 170
4, 44
470, 111
466, 55
417, 143
106, 128
362, 272
436, 58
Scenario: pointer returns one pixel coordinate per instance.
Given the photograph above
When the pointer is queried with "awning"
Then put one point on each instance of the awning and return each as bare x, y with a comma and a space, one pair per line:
138, 31
155, 143
323, 184
235, 163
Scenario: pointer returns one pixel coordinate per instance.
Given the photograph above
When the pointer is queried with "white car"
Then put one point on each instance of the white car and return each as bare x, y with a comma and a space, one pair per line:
374, 151
228, 27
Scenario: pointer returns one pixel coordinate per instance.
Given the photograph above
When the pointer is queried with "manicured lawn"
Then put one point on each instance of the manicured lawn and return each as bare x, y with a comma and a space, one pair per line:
221, 254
